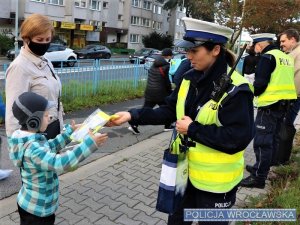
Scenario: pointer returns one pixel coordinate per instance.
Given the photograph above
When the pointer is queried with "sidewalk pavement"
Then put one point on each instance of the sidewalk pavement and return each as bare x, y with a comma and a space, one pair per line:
120, 188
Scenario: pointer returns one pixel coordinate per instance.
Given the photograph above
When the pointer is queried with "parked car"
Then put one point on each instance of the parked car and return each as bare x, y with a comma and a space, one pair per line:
58, 53
93, 52
143, 54
10, 54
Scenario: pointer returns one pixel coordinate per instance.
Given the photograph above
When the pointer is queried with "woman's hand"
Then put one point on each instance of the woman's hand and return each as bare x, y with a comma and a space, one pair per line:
182, 125
118, 119
74, 125
98, 138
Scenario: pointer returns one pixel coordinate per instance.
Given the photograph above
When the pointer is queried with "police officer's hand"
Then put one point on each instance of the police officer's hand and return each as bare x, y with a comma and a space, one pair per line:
182, 125
119, 118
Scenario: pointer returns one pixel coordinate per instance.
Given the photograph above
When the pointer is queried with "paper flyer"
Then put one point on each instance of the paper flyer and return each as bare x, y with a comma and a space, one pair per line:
95, 122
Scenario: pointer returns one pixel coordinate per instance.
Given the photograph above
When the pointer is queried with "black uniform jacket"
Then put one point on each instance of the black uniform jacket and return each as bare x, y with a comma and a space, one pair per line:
265, 67
236, 115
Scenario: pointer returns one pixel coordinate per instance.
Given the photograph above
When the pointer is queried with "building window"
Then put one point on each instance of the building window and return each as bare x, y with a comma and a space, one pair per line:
95, 5
158, 9
153, 24
135, 20
105, 5
120, 17
147, 5
134, 38
136, 3
56, 2
154, 8
158, 25
145, 22
43, 1
80, 3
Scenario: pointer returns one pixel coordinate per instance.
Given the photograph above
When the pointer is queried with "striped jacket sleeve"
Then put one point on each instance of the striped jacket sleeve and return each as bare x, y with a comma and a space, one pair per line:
61, 140
44, 159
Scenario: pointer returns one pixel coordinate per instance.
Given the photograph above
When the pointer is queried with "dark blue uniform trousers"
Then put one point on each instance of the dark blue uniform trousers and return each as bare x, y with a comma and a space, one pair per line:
266, 140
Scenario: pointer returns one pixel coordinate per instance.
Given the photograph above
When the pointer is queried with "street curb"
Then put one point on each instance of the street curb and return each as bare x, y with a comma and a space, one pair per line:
9, 205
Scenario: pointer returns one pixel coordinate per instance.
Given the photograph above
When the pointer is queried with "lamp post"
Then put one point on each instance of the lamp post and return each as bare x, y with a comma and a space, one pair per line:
16, 27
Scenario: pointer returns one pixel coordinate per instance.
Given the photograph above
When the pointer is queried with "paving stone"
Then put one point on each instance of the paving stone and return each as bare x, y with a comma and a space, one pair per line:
15, 217
90, 215
128, 201
92, 204
144, 199
145, 208
161, 222
84, 222
62, 208
144, 184
113, 204
74, 206
111, 193
80, 188
69, 216
126, 183
126, 221
127, 192
124, 209
128, 177
97, 187
104, 221
112, 185
160, 215
7, 221
65, 190
60, 221
143, 176
111, 214
113, 171
112, 178
76, 196
146, 219
63, 199
143, 190
94, 195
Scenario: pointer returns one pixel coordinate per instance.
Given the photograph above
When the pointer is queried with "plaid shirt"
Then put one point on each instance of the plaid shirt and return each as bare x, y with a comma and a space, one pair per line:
40, 161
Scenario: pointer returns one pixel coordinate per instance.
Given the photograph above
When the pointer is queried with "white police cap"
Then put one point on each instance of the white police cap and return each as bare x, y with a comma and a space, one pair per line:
263, 37
198, 32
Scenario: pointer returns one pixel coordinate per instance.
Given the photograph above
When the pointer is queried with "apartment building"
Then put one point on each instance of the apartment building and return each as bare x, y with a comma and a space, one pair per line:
80, 22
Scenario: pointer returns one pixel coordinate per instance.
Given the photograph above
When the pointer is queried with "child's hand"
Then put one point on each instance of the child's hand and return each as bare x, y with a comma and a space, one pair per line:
118, 119
74, 125
99, 138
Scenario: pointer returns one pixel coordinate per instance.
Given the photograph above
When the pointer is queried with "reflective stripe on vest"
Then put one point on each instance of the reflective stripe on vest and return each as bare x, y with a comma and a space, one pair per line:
209, 169
281, 85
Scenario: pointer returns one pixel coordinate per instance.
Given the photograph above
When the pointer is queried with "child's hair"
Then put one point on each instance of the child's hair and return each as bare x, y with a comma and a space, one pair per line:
29, 110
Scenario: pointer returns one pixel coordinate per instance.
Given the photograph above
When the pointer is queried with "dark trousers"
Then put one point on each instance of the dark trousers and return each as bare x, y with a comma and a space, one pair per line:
293, 112
151, 104
27, 218
197, 199
266, 140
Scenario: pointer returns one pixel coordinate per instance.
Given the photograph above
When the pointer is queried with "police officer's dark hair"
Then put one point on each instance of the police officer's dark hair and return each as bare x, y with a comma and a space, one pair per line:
230, 57
291, 33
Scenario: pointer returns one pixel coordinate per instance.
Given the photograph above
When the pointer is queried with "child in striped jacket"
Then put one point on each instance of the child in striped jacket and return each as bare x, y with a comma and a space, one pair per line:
39, 159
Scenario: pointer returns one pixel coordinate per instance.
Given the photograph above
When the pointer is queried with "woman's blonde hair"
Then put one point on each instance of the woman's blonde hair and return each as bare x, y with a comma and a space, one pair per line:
36, 24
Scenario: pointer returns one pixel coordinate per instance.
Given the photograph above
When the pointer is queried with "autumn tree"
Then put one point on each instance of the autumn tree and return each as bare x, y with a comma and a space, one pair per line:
271, 16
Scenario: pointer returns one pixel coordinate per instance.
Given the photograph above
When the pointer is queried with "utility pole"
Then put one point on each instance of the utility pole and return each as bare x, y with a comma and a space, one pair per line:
16, 28
240, 39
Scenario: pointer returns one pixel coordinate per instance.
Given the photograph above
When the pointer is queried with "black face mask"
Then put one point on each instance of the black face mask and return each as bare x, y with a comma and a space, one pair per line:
38, 48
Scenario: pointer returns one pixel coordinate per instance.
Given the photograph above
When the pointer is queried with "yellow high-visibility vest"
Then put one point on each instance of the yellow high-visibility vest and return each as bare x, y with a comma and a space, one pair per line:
209, 169
281, 85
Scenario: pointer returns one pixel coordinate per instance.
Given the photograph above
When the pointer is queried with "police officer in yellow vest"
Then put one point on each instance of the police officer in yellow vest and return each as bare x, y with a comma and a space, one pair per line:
215, 132
274, 88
